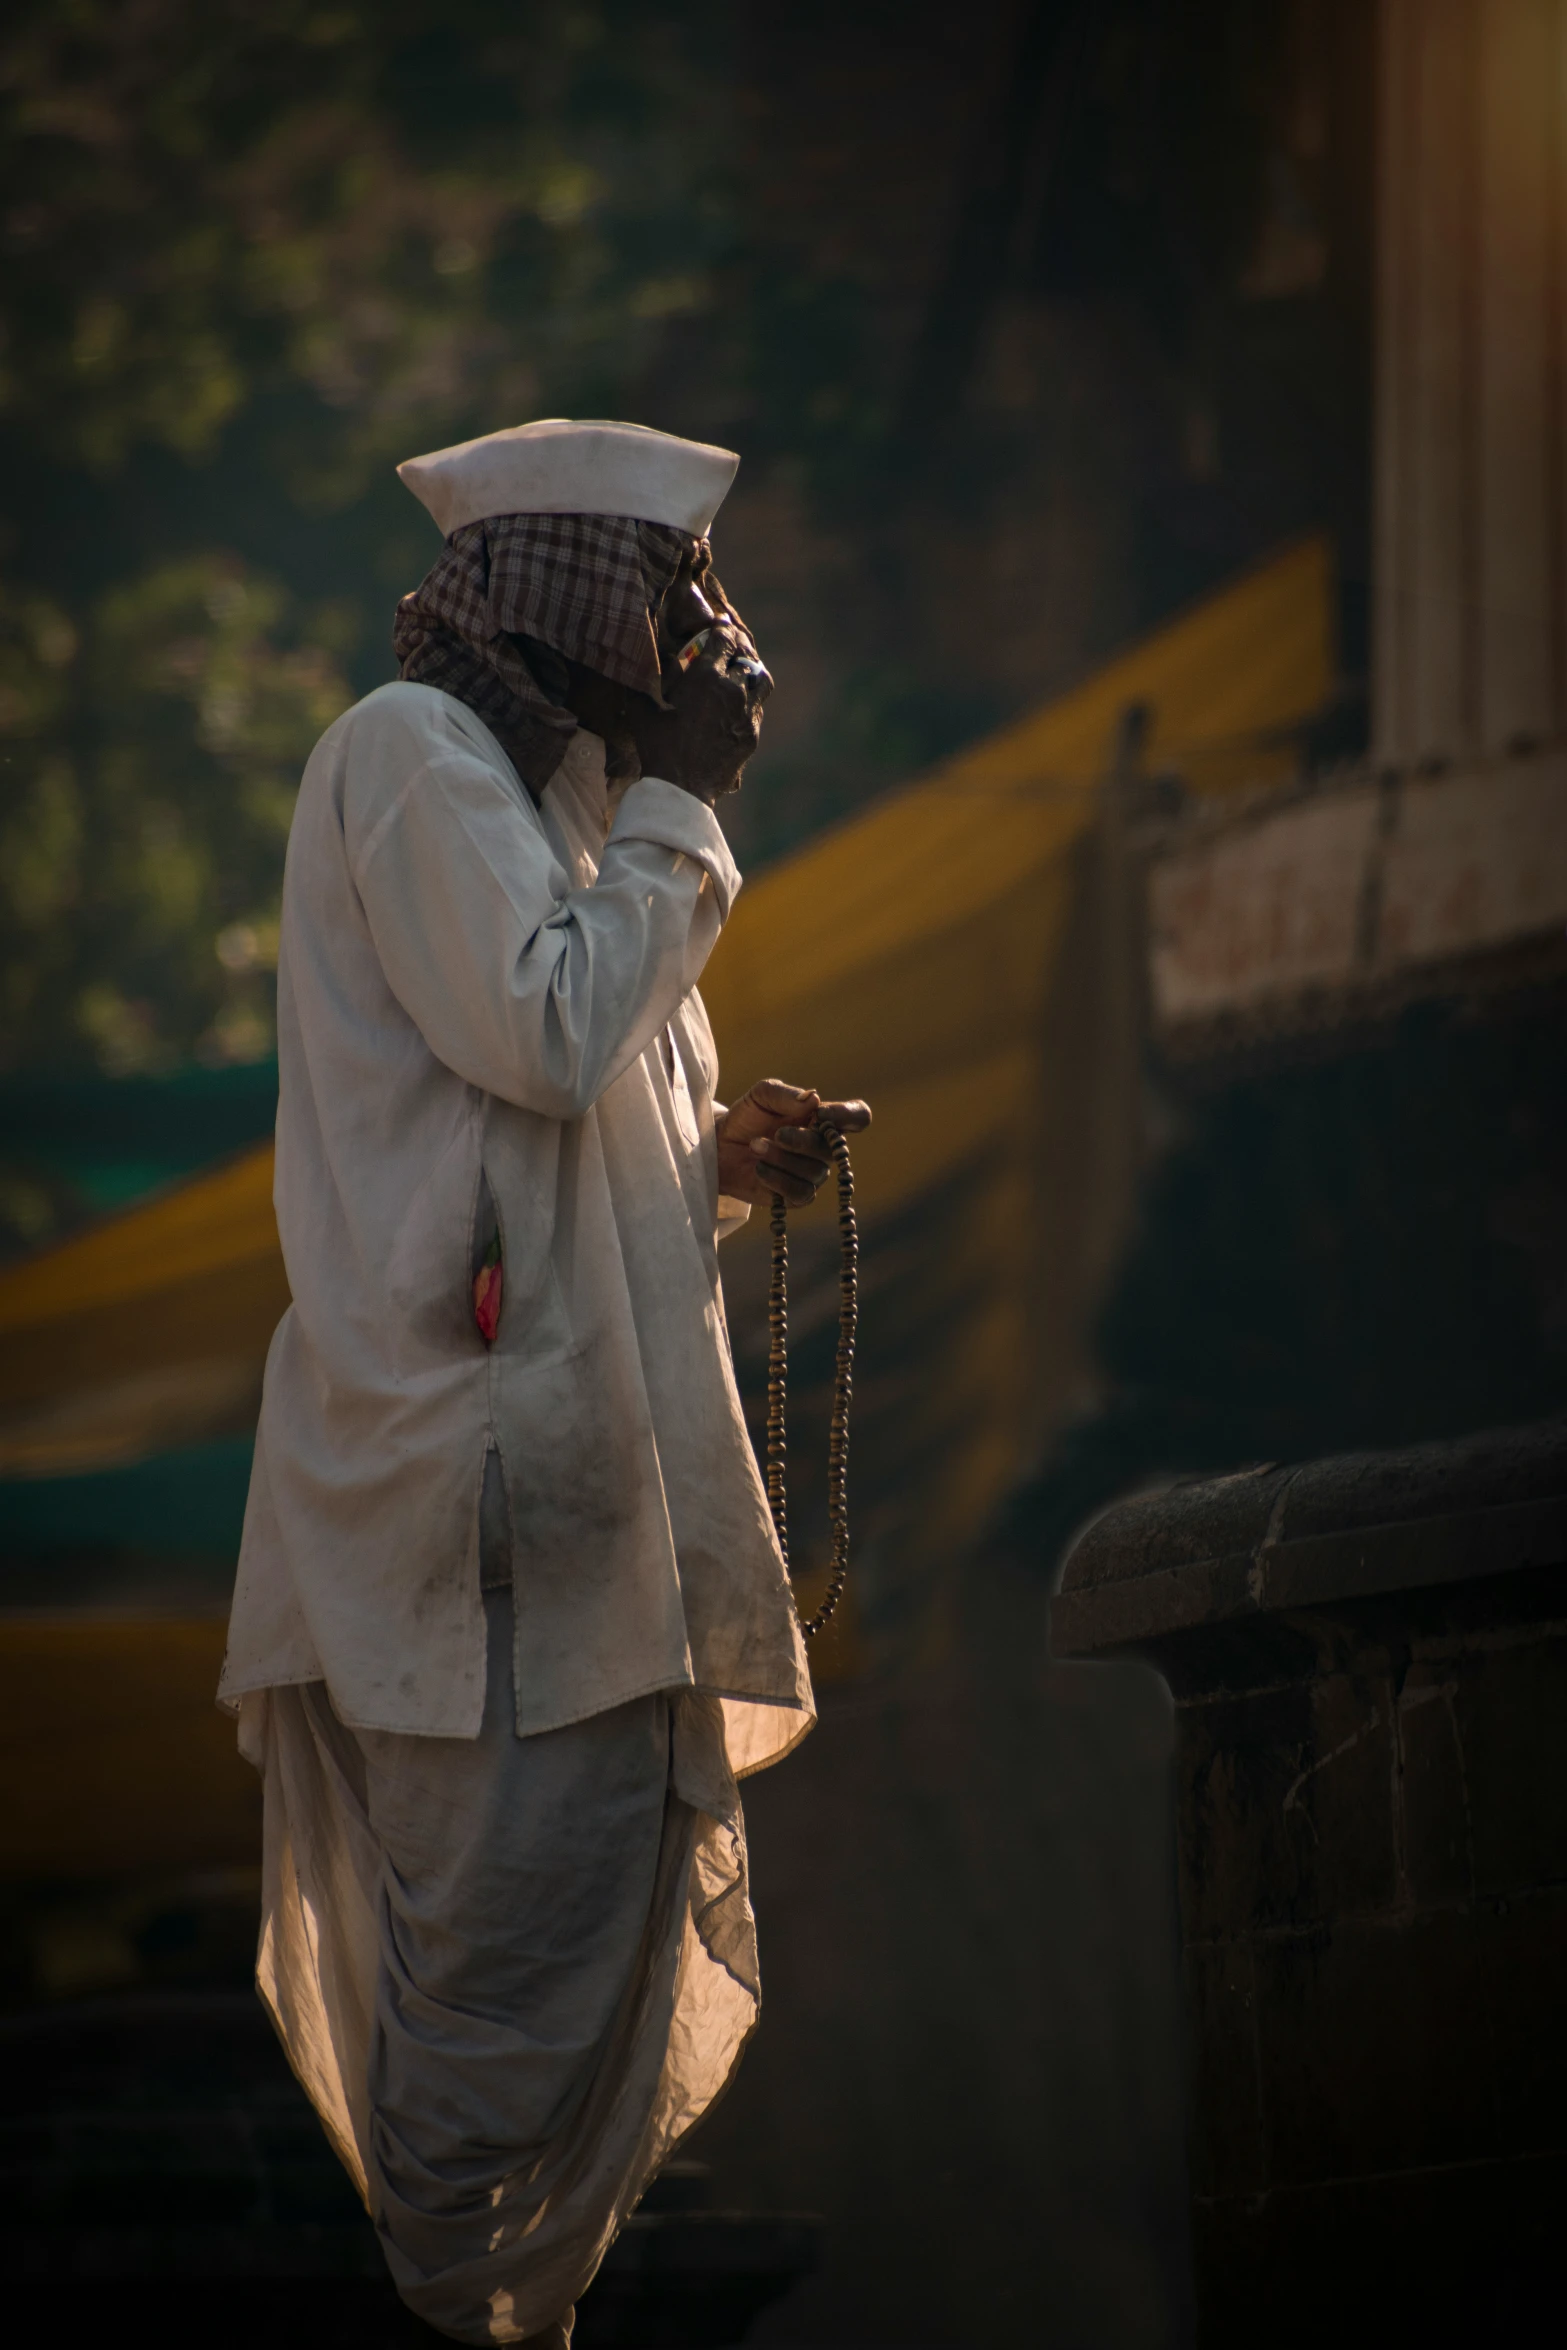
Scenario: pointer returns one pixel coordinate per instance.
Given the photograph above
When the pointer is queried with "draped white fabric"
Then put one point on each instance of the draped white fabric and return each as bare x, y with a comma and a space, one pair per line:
510, 1973
474, 991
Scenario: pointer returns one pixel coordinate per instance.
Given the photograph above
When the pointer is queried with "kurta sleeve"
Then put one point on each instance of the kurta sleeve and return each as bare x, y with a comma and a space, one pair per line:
537, 992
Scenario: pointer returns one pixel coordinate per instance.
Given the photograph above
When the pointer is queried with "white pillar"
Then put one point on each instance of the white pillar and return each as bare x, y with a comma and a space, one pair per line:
1470, 649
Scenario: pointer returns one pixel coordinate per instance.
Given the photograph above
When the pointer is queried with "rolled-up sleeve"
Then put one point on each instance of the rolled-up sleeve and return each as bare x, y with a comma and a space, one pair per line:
537, 992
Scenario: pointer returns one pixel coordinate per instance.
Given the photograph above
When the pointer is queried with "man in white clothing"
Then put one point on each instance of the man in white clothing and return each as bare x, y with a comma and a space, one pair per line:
510, 1619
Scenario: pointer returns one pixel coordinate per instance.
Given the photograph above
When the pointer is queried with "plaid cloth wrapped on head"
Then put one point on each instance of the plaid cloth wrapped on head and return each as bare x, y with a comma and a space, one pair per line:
507, 593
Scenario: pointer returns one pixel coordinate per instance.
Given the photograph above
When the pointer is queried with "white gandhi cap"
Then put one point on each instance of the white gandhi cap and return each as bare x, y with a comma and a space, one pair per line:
560, 466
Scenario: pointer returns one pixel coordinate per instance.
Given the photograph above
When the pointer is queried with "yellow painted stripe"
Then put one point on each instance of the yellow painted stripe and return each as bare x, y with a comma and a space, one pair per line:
205, 1226
1254, 659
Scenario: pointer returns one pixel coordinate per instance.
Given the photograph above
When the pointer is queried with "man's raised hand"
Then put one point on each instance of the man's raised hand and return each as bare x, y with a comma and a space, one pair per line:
770, 1141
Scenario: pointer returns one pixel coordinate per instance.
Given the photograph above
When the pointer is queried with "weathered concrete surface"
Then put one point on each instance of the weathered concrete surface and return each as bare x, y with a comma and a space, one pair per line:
1471, 428
1371, 888
1370, 1662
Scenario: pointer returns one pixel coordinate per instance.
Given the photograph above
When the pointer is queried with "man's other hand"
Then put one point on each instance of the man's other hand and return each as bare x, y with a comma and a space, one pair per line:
770, 1141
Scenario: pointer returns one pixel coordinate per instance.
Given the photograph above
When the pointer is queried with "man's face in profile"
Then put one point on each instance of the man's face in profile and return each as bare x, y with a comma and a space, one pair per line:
714, 685
714, 678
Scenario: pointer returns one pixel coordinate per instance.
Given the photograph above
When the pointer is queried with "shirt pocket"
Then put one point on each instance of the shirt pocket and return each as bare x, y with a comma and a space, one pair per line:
522, 1168
427, 1283
487, 1258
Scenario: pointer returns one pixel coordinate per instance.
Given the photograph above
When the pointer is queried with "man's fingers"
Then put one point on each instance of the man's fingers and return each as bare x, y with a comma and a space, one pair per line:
784, 1101
774, 1155
802, 1138
758, 1118
848, 1117
798, 1190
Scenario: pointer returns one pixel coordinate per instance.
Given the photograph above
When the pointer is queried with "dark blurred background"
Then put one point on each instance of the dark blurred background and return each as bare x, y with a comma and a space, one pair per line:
1076, 359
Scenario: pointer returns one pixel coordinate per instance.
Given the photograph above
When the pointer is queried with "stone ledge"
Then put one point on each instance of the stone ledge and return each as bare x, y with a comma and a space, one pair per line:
1266, 1541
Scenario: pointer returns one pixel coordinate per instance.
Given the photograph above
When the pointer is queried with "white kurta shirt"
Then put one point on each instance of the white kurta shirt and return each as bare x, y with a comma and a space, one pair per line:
471, 987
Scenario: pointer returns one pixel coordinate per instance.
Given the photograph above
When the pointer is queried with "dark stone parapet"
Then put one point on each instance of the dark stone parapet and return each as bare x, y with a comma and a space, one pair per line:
1369, 1660
1176, 1575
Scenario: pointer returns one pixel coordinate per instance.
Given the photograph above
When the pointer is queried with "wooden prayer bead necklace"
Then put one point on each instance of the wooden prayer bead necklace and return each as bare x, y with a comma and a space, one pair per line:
843, 1378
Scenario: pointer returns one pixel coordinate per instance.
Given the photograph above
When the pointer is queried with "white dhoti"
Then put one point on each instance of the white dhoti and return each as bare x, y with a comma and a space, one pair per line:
510, 1971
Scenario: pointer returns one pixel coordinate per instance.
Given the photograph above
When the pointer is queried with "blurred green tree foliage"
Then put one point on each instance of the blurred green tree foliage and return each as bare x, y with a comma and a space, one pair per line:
411, 213
153, 751
302, 239
1022, 319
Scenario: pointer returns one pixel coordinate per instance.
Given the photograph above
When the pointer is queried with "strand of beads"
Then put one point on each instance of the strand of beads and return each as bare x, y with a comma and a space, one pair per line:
843, 1380
777, 1374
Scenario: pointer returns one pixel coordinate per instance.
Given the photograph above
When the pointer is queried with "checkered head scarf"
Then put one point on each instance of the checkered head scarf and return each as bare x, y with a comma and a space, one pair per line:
508, 596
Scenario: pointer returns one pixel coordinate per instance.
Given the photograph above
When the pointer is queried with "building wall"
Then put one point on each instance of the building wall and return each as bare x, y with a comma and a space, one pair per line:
1470, 631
